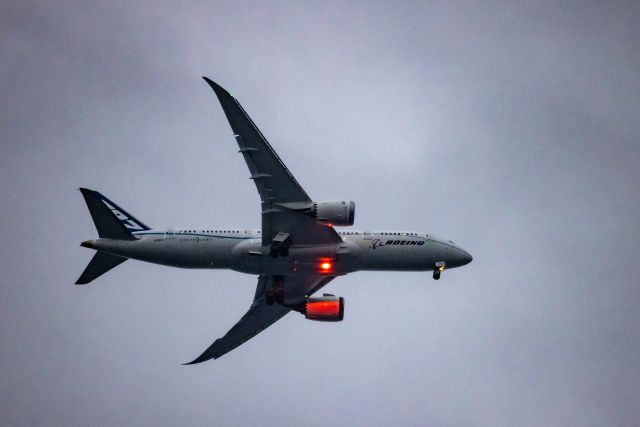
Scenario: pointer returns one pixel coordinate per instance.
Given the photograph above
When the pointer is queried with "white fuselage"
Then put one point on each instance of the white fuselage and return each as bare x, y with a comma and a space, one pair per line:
241, 250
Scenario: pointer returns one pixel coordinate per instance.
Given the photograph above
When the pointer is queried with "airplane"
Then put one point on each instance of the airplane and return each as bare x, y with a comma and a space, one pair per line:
295, 253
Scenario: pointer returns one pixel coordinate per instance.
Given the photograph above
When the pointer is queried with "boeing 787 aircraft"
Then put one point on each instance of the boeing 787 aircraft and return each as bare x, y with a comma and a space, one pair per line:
295, 253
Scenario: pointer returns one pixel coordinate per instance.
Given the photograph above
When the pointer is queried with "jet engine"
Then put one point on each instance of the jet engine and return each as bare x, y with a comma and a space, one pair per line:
327, 308
335, 212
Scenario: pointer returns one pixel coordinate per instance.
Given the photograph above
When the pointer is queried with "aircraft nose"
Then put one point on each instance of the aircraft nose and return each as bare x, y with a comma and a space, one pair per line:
465, 257
459, 257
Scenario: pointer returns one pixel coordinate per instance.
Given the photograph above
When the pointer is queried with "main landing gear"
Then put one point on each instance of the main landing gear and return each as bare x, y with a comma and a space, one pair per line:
276, 292
439, 269
280, 245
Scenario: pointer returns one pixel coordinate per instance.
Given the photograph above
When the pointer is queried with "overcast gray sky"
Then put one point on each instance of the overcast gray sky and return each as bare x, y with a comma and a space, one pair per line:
509, 127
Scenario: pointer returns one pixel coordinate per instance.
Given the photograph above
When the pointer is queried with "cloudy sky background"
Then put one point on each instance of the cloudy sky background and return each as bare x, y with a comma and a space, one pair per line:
509, 127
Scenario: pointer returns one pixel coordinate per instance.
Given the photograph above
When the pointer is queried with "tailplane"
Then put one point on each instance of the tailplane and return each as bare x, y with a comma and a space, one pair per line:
99, 264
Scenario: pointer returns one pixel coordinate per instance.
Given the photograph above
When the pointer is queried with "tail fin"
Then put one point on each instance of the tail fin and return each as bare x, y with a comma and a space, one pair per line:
111, 221
99, 264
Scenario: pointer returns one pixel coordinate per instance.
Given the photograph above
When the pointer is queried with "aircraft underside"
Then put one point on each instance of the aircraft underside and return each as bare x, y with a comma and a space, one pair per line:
295, 253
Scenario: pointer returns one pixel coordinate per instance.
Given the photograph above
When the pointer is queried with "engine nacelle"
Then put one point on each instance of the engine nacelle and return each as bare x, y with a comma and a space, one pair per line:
335, 212
327, 308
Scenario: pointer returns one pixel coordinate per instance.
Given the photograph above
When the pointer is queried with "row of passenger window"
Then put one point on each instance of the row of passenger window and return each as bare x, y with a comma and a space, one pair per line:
400, 234
342, 233
211, 231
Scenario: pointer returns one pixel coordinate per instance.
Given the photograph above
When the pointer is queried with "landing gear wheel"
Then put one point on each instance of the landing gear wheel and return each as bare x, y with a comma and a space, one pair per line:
280, 245
275, 249
279, 297
276, 292
274, 295
436, 275
279, 249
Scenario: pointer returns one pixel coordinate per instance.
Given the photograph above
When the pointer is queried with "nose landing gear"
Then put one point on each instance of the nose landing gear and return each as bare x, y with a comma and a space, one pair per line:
439, 269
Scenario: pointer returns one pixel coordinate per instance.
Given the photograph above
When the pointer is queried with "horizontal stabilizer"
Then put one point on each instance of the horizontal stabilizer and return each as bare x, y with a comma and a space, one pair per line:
99, 264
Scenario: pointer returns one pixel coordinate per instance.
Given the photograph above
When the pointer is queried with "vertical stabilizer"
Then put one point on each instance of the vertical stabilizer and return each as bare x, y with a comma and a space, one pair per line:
112, 222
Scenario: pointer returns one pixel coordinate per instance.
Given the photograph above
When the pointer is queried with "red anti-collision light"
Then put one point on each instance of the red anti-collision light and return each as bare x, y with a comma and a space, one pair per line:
325, 265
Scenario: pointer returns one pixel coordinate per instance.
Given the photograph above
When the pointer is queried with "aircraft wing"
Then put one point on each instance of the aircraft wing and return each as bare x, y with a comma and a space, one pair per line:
260, 315
283, 199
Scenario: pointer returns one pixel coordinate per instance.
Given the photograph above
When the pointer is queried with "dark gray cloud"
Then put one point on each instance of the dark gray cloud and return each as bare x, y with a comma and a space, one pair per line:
509, 127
